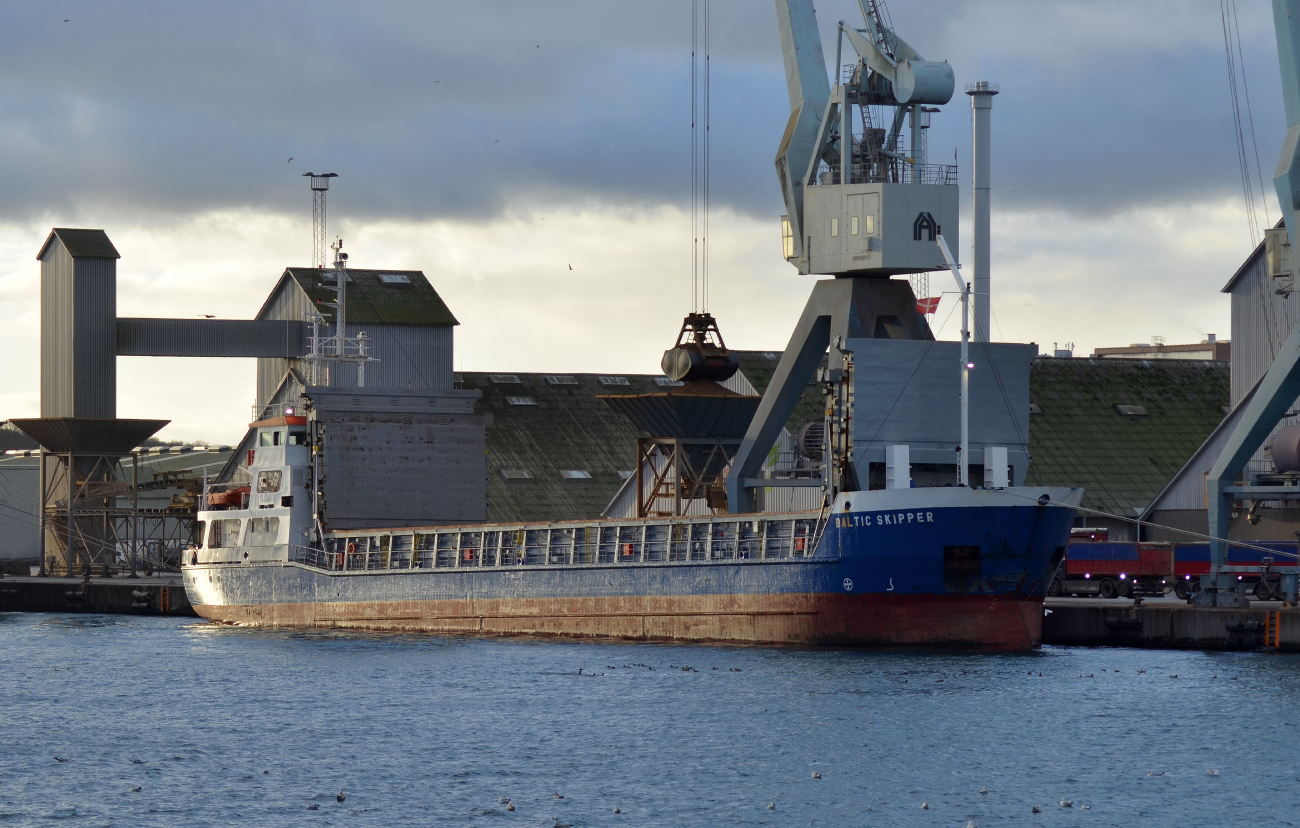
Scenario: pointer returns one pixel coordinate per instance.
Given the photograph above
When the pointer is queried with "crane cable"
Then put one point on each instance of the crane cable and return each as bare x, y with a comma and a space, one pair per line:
700, 161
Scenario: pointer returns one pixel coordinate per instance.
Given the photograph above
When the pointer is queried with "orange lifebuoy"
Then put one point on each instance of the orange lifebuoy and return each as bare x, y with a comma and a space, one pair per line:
352, 548
798, 544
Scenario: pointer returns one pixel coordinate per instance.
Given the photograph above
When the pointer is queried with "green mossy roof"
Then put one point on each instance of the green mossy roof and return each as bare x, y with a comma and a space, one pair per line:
1121, 460
567, 429
1079, 439
373, 301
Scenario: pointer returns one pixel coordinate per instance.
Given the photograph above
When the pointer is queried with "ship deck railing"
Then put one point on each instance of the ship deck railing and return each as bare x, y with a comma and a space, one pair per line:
604, 543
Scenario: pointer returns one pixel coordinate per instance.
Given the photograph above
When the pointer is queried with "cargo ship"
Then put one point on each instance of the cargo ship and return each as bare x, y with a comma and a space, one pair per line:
928, 567
902, 547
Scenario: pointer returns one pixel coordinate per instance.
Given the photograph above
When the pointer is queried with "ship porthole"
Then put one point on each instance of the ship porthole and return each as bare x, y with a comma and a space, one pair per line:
848, 506
848, 584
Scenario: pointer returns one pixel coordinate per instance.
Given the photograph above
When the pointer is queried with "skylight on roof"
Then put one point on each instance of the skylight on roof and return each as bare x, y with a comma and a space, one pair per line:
504, 379
665, 382
1132, 410
394, 278
575, 474
614, 381
624, 475
561, 379
516, 474
521, 400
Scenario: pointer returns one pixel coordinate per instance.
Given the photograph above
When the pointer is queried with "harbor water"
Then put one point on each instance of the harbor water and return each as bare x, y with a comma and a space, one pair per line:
221, 725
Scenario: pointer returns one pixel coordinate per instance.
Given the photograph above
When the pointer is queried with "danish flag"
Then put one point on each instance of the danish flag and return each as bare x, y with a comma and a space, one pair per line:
927, 305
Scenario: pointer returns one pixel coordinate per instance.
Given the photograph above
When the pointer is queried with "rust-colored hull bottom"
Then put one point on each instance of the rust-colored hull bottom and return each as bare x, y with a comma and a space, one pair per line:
922, 621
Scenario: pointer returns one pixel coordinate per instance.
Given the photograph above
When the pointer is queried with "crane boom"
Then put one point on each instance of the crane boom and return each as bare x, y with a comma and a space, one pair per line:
805, 80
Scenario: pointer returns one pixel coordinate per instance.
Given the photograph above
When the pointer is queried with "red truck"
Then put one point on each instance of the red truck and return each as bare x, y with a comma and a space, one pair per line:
1095, 566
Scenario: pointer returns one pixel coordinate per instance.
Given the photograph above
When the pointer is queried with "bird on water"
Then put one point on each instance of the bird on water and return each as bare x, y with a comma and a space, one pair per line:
312, 806
340, 797
1067, 803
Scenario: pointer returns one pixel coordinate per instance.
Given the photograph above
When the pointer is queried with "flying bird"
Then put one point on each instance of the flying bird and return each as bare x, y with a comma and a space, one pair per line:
570, 267
207, 315
290, 160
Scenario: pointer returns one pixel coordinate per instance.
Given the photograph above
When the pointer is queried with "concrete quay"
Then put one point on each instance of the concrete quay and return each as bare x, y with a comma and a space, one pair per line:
1169, 624
121, 595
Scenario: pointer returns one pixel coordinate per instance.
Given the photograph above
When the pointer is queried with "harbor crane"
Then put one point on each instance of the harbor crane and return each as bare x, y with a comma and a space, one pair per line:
1280, 386
862, 204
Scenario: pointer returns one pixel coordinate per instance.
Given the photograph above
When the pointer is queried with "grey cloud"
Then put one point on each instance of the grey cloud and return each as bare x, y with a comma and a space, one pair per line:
169, 108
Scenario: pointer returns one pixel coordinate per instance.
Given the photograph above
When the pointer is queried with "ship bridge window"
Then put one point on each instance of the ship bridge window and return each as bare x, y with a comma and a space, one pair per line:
297, 438
268, 481
263, 532
835, 227
224, 534
271, 438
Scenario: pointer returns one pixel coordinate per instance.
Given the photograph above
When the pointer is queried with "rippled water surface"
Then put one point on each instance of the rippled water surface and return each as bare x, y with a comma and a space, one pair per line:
226, 726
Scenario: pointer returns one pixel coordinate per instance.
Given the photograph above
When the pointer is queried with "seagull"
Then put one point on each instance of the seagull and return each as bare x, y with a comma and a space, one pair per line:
1085, 807
312, 806
510, 806
1037, 809
135, 789
925, 806
616, 810
1155, 773
558, 796
290, 161
340, 797
970, 823
1067, 803
503, 800
59, 759
559, 824
1212, 772
570, 267
771, 806
816, 775
984, 790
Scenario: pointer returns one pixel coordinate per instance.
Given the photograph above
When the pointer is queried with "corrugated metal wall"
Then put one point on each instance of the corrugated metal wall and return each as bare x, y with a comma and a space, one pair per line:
96, 338
210, 337
78, 335
20, 486
1262, 320
410, 356
56, 332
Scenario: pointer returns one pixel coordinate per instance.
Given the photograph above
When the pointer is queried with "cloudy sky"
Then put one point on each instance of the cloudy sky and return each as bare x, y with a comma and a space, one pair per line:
494, 144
